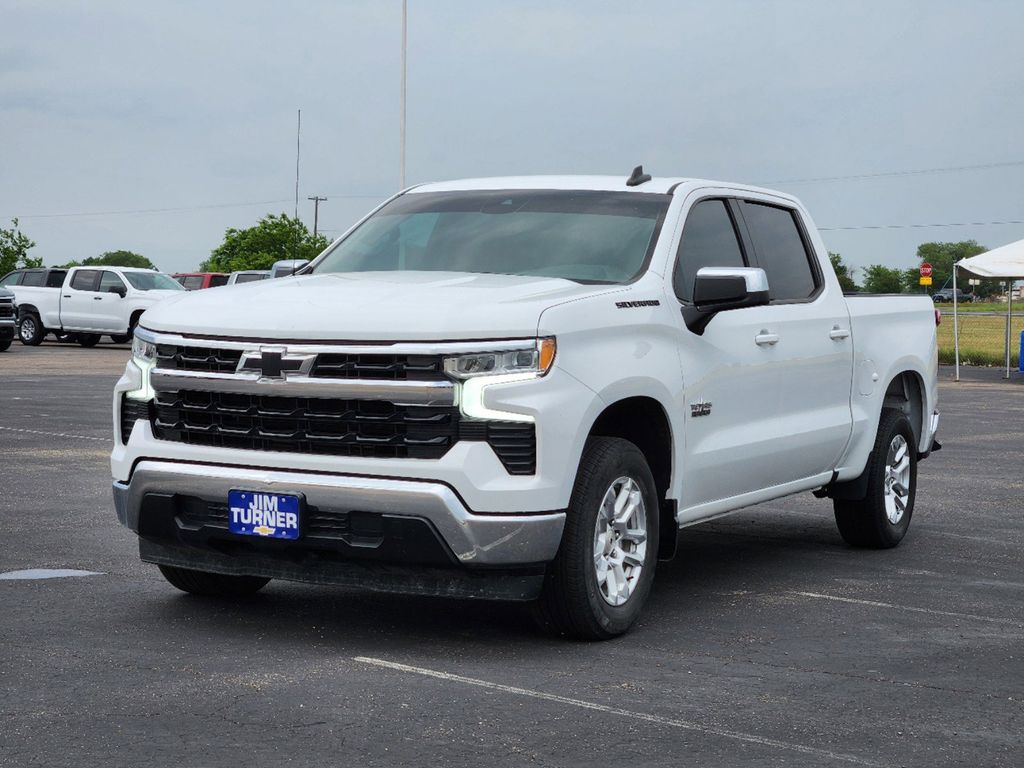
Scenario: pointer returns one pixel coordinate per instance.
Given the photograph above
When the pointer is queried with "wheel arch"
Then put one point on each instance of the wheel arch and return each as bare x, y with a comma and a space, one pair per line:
28, 309
906, 392
644, 421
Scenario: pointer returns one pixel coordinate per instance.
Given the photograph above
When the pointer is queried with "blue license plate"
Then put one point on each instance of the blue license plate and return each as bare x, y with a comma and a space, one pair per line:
270, 515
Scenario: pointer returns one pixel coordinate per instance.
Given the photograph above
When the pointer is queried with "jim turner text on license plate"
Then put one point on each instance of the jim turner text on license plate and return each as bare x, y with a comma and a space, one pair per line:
263, 514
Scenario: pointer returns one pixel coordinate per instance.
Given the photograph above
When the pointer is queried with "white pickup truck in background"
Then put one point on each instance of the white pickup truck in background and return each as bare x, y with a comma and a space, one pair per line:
85, 302
521, 388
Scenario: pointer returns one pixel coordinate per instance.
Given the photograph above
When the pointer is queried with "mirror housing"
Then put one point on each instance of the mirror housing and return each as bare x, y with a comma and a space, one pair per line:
119, 290
719, 289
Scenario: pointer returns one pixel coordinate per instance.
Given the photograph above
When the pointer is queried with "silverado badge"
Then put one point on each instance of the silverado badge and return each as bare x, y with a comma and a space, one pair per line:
700, 408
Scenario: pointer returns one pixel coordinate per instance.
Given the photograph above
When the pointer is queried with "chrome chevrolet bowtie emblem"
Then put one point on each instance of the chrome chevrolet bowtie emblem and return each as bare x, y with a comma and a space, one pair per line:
275, 363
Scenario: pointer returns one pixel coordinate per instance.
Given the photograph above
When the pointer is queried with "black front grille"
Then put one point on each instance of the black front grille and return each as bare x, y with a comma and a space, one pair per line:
177, 358
316, 522
132, 411
366, 428
6, 310
381, 367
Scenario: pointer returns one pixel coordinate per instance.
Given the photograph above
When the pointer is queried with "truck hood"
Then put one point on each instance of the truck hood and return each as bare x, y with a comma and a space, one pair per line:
371, 306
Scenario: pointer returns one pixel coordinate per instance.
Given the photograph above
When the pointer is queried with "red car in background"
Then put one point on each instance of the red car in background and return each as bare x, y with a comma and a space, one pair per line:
194, 281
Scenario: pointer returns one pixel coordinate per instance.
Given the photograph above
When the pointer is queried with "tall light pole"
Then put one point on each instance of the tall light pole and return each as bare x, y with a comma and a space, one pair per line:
401, 119
316, 210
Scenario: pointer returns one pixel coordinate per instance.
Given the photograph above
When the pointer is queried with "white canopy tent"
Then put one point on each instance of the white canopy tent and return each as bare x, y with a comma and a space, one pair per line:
1004, 263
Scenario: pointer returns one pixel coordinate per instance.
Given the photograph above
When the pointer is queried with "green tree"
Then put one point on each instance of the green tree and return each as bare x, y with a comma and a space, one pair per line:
258, 247
114, 259
843, 272
882, 279
14, 248
942, 256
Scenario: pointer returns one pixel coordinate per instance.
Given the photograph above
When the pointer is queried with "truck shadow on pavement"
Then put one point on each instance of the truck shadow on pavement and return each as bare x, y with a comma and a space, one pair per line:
713, 563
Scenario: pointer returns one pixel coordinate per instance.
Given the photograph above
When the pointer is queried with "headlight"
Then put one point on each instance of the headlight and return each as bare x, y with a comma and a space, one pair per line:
137, 371
143, 351
533, 357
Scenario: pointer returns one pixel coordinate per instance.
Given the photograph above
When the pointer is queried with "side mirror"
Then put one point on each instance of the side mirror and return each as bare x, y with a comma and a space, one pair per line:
719, 289
119, 290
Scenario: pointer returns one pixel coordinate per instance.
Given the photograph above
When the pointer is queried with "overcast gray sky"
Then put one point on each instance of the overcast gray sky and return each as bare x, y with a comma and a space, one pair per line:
112, 107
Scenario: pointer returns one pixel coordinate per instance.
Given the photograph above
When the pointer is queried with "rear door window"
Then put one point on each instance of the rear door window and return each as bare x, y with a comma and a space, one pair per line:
34, 278
55, 278
709, 240
191, 282
85, 280
781, 251
218, 280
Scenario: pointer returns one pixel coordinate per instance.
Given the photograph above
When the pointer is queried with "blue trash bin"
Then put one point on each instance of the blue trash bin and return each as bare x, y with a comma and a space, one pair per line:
1022, 351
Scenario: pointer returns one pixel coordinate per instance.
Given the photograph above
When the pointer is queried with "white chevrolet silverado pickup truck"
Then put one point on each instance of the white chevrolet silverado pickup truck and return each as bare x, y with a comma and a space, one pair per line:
85, 303
521, 389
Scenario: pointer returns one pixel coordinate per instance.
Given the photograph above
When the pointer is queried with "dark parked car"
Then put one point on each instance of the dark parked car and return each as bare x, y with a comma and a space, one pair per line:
7, 319
946, 295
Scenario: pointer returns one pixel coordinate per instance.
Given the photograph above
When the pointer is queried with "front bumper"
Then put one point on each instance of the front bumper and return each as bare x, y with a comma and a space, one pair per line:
157, 500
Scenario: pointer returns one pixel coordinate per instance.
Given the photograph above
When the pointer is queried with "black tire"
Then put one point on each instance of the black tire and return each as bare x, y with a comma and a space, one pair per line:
5, 343
88, 339
120, 338
30, 330
212, 584
865, 522
572, 602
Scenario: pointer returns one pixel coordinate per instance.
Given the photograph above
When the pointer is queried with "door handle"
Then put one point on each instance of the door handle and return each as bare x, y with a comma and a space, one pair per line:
97, 298
838, 334
67, 295
765, 339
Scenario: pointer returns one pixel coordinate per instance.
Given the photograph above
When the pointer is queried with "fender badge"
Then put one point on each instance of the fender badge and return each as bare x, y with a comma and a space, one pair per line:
635, 304
700, 408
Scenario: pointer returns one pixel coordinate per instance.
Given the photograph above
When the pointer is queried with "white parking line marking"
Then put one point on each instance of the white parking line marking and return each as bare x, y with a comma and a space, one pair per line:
657, 719
45, 573
54, 434
910, 608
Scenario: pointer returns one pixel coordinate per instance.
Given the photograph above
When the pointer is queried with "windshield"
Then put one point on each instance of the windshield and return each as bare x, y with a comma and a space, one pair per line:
250, 277
590, 237
152, 281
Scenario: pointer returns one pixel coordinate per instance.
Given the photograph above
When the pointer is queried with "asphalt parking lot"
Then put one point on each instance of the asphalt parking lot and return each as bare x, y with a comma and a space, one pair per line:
766, 641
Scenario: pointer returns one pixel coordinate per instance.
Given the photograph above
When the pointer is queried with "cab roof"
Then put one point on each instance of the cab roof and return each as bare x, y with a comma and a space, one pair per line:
656, 185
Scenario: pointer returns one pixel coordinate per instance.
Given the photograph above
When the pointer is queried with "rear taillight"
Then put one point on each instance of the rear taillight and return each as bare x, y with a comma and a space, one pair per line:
938, 316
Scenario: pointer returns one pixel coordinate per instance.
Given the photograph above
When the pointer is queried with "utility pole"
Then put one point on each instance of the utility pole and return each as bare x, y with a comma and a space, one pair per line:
316, 210
401, 119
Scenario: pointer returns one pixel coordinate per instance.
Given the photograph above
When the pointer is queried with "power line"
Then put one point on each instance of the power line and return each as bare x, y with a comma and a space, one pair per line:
923, 226
912, 172
181, 209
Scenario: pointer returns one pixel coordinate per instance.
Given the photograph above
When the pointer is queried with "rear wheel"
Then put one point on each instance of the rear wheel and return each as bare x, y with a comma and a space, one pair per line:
602, 574
212, 584
120, 339
88, 339
880, 520
30, 330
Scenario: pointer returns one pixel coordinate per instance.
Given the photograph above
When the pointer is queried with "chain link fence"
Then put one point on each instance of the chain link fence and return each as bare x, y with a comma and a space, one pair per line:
982, 336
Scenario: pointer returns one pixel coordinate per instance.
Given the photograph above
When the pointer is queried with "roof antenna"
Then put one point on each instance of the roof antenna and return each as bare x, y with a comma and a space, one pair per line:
638, 177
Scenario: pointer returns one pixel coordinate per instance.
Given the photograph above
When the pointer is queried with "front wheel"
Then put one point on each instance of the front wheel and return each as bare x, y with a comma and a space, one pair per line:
88, 339
5, 342
212, 584
30, 330
880, 520
120, 338
602, 574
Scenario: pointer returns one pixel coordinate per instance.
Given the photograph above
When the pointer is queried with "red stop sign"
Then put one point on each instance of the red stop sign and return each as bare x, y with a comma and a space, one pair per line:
926, 270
